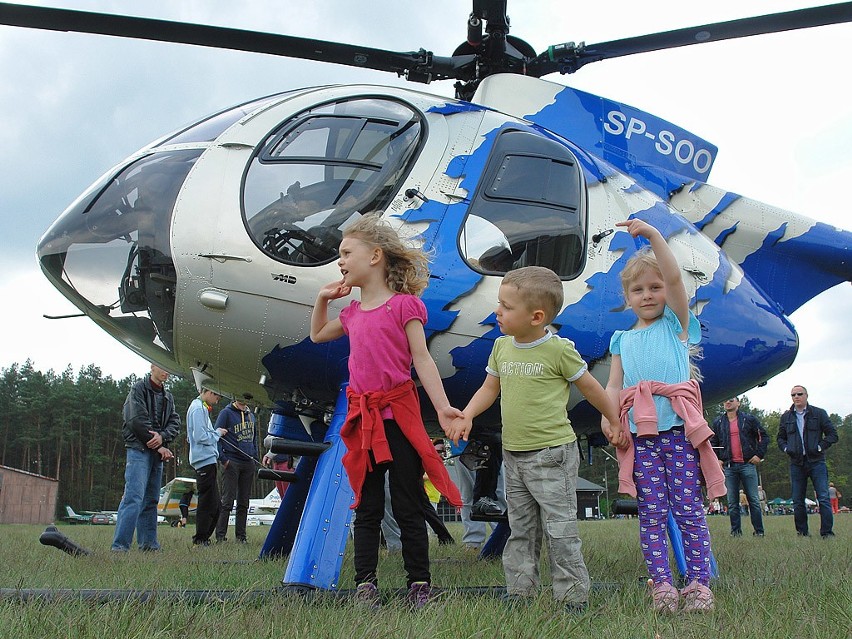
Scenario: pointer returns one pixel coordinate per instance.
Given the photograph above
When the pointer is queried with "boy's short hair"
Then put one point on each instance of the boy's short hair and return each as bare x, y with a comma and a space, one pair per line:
539, 288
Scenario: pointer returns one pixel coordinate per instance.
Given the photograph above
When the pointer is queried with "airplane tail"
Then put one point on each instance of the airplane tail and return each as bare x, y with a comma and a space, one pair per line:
792, 258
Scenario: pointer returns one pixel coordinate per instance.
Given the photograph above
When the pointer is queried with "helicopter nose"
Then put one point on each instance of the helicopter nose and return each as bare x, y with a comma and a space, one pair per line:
115, 238
758, 345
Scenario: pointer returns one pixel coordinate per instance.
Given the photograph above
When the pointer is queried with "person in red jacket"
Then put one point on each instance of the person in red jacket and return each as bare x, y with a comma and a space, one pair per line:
384, 431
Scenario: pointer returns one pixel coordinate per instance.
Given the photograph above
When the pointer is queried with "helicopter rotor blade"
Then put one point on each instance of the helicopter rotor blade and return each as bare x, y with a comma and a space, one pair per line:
418, 66
569, 57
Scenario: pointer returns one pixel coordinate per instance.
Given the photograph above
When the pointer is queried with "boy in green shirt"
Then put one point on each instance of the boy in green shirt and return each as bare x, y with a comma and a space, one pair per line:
532, 370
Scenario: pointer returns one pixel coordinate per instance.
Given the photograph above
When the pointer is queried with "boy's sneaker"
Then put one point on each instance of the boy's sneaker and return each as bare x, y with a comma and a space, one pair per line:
697, 598
419, 594
665, 597
367, 595
486, 507
576, 607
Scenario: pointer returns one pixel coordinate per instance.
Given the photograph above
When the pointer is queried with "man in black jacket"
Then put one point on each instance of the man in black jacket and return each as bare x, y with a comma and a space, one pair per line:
740, 442
804, 434
150, 425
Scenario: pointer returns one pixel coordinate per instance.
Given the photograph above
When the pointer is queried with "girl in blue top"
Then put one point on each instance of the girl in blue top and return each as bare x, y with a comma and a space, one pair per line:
666, 470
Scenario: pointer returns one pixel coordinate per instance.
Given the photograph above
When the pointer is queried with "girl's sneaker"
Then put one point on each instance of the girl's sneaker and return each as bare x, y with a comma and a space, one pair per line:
665, 597
367, 596
419, 594
697, 598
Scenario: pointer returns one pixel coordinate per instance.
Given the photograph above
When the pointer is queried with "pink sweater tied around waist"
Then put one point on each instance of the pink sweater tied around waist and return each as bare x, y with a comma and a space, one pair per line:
686, 402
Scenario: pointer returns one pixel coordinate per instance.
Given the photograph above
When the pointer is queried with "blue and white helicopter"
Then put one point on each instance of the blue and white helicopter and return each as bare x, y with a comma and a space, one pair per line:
515, 171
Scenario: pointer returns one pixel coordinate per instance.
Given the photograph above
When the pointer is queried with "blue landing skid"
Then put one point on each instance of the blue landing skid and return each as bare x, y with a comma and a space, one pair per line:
493, 548
317, 554
676, 543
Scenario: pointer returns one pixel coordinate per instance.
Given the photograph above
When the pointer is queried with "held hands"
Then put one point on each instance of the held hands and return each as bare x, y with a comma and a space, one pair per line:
222, 431
447, 416
615, 436
459, 429
334, 290
165, 453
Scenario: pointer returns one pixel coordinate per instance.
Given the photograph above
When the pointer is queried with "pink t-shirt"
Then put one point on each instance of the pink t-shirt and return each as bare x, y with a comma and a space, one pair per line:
379, 354
736, 445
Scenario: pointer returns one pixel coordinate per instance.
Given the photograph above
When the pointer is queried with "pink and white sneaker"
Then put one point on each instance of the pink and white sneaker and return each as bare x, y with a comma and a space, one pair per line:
665, 597
697, 598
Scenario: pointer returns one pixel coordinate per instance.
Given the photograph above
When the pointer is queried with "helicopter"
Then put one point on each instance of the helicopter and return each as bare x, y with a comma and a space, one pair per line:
232, 304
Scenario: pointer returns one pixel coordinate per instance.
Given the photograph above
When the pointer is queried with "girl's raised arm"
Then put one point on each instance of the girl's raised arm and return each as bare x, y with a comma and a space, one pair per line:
676, 297
323, 329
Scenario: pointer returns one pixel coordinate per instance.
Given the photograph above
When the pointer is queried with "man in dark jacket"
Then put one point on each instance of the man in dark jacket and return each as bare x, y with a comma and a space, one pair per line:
150, 425
740, 442
237, 455
804, 434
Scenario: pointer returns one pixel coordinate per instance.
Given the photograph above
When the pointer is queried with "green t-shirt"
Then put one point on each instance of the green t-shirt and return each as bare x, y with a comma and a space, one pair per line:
535, 382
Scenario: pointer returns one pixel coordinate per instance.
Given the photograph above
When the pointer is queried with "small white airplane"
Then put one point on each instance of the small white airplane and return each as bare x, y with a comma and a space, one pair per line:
171, 494
261, 512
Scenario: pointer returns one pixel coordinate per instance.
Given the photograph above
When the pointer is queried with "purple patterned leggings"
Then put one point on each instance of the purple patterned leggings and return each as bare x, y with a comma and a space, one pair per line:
667, 477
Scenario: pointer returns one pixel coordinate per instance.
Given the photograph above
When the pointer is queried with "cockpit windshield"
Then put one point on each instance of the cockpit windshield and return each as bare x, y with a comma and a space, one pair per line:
110, 251
321, 168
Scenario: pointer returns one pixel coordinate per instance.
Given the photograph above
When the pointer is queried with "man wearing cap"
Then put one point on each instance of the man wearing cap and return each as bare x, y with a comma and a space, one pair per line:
804, 434
150, 425
237, 456
740, 442
203, 454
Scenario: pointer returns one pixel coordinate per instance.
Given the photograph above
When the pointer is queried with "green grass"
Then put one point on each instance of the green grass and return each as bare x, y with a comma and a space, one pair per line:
777, 587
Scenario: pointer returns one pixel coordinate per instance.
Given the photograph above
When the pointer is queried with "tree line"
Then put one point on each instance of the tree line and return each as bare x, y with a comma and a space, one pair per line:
68, 426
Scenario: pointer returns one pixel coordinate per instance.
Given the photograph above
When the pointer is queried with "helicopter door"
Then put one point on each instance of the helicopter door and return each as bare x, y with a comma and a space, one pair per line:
529, 208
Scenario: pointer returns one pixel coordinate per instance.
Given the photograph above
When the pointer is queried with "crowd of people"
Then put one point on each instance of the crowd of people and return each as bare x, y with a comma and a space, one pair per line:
651, 407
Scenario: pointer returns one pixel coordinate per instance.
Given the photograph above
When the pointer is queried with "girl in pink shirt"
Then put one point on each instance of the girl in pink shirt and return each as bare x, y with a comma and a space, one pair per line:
384, 432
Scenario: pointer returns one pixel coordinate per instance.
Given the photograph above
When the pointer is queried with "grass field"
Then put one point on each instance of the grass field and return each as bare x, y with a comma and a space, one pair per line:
777, 587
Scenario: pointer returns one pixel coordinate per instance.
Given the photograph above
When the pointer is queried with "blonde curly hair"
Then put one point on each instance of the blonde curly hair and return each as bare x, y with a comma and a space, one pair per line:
407, 266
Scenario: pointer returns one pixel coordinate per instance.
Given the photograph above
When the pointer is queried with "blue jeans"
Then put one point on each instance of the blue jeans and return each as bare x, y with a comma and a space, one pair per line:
143, 476
818, 473
745, 475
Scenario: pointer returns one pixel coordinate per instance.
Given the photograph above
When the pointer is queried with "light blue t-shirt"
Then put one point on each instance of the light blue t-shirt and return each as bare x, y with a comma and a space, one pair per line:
656, 353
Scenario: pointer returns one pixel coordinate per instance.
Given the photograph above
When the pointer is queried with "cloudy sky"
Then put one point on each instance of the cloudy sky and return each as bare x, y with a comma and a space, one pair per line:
73, 105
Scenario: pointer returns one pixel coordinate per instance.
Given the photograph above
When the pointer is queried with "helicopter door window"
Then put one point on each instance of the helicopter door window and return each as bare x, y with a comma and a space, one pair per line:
321, 167
529, 209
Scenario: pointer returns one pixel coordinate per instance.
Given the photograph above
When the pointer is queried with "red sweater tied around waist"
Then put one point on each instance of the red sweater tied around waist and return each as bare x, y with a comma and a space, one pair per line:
364, 431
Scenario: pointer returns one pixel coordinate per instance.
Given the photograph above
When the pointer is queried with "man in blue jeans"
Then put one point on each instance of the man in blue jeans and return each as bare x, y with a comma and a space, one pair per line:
150, 425
804, 434
740, 442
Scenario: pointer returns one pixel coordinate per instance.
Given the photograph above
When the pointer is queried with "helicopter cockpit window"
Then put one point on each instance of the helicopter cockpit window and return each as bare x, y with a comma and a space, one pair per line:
529, 209
212, 127
111, 253
321, 168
